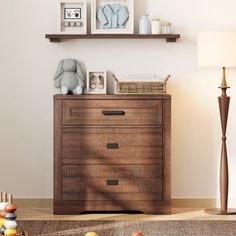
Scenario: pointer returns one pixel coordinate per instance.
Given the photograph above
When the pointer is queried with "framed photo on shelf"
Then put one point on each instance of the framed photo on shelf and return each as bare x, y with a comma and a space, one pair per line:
112, 16
72, 16
96, 82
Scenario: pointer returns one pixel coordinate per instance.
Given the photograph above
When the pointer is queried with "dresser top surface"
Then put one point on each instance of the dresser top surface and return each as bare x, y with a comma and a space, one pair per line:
113, 97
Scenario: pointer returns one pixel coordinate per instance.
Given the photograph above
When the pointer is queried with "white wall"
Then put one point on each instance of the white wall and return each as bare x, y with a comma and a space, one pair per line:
28, 62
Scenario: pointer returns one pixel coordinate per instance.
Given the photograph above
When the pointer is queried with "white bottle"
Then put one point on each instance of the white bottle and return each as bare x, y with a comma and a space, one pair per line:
156, 26
144, 25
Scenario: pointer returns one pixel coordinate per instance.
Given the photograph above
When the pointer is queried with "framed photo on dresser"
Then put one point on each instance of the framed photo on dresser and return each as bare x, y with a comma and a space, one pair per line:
96, 82
112, 16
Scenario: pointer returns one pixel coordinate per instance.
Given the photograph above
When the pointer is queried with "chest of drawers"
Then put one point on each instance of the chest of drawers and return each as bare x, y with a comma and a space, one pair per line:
112, 153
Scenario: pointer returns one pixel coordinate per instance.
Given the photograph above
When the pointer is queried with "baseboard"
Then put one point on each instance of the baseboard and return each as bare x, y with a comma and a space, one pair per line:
176, 203
33, 202
193, 203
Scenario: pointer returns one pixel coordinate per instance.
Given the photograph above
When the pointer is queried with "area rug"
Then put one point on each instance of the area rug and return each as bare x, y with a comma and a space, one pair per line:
125, 228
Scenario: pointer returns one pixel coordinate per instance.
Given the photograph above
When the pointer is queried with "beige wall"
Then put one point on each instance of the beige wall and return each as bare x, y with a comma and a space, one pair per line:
28, 62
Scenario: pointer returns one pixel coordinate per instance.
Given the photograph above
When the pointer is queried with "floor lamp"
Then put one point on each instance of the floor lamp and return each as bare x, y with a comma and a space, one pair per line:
218, 49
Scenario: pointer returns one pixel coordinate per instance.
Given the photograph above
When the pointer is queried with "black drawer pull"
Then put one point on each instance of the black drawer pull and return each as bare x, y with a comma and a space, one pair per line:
112, 145
112, 182
113, 113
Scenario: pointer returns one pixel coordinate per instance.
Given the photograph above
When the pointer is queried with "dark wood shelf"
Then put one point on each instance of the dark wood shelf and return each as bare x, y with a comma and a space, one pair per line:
56, 38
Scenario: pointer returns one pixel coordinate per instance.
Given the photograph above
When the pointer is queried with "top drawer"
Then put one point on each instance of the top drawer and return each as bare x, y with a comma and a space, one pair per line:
112, 112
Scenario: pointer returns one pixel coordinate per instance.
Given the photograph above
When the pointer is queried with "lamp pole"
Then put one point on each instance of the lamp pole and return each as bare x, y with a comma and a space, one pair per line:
224, 102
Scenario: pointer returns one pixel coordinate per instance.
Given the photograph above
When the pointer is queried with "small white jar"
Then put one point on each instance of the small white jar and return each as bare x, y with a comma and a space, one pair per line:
156, 26
166, 28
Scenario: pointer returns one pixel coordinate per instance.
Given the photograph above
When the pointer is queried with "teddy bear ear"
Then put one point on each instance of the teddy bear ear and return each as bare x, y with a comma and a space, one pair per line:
78, 70
59, 69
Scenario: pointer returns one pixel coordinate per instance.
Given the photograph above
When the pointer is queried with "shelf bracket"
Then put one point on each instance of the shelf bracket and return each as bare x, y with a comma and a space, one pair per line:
171, 40
55, 40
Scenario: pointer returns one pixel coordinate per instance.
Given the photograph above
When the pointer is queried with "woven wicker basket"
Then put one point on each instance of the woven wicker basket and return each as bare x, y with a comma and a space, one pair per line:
141, 87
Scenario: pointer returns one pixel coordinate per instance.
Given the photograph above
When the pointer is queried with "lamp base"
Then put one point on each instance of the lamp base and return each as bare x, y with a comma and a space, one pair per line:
218, 211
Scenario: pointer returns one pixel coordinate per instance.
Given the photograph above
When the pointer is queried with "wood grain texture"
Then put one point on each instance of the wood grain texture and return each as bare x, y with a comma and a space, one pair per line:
90, 112
126, 185
89, 145
113, 196
57, 139
167, 150
113, 97
145, 206
56, 38
113, 171
131, 152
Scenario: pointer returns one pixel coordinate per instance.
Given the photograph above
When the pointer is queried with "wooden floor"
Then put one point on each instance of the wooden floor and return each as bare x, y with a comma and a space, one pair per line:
177, 214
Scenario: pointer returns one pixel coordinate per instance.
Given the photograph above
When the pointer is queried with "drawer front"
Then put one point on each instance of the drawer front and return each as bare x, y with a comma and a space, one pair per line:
112, 146
67, 196
107, 185
112, 112
113, 171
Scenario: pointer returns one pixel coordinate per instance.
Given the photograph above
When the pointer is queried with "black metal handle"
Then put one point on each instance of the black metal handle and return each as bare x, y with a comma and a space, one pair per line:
112, 182
113, 113
112, 145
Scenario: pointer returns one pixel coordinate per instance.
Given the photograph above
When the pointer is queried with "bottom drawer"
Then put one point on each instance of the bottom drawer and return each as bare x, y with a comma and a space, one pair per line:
107, 185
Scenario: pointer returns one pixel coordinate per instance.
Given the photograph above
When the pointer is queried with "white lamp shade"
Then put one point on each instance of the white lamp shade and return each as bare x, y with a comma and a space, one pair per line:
217, 49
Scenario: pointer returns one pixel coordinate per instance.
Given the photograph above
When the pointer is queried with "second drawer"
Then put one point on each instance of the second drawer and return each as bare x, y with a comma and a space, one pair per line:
112, 145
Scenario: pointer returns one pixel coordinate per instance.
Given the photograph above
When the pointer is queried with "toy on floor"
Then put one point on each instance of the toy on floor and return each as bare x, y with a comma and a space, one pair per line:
7, 215
91, 234
136, 233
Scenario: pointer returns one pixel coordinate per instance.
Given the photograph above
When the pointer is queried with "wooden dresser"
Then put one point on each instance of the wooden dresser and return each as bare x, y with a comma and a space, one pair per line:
112, 153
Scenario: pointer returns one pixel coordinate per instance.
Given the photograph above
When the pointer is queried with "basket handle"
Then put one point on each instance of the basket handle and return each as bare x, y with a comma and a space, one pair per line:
114, 77
167, 78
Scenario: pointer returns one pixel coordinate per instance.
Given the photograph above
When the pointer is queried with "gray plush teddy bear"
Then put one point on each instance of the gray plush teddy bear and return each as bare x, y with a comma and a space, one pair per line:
69, 77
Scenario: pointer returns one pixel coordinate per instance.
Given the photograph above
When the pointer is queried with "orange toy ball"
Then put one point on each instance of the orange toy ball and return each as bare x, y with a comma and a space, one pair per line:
136, 233
2, 222
11, 208
10, 232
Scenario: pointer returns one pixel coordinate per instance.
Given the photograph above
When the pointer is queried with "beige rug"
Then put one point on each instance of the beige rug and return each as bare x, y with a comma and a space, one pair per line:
125, 228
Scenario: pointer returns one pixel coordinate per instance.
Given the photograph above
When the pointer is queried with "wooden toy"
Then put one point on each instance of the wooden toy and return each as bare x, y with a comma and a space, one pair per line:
2, 230
10, 207
136, 233
7, 215
3, 205
91, 234
10, 232
10, 216
10, 224
2, 213
2, 222
3, 202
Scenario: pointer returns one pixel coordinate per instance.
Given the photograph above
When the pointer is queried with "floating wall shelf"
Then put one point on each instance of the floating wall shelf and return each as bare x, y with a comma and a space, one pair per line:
56, 38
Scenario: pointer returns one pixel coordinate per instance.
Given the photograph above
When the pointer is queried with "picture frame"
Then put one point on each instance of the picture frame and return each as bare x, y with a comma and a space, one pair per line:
72, 16
96, 82
101, 24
